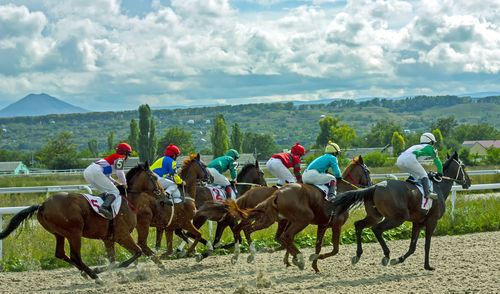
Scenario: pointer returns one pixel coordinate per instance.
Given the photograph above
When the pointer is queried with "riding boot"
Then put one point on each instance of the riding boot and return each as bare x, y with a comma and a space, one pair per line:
105, 208
427, 189
332, 191
230, 193
169, 200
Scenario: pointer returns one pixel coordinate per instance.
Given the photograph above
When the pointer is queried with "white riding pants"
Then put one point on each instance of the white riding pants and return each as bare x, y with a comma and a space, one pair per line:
312, 176
94, 175
279, 170
169, 186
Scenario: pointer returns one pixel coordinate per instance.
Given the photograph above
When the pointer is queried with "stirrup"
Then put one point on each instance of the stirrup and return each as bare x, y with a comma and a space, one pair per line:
106, 212
432, 196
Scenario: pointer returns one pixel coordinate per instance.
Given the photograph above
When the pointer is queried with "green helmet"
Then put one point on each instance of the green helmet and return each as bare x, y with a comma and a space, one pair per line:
232, 153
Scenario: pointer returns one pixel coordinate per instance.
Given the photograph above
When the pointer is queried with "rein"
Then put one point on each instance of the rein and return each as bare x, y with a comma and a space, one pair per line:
356, 184
205, 172
248, 184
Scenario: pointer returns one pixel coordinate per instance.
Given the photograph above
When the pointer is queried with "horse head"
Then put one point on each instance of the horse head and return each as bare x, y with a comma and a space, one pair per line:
194, 171
358, 173
454, 170
141, 179
251, 173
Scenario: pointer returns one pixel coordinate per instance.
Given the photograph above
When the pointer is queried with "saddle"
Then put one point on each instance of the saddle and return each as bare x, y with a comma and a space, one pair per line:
426, 202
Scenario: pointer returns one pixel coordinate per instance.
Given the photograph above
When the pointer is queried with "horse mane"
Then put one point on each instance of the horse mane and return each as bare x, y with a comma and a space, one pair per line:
186, 164
244, 170
133, 171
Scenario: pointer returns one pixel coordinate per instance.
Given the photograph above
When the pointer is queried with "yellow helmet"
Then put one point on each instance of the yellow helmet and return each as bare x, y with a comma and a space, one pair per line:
332, 148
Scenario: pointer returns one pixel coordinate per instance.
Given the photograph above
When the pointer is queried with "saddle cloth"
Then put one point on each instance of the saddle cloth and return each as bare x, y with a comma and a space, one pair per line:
323, 188
96, 202
217, 193
426, 202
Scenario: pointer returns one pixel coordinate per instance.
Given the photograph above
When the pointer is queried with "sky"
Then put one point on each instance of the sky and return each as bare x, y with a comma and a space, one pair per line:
107, 55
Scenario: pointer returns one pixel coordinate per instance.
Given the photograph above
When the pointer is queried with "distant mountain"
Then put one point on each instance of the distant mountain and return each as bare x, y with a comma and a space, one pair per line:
39, 104
480, 94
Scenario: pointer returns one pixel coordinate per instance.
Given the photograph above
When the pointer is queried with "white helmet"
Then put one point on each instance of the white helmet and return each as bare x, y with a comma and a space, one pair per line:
427, 138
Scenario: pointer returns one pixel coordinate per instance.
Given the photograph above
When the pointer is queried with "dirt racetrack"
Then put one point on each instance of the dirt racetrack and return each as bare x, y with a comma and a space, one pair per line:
464, 264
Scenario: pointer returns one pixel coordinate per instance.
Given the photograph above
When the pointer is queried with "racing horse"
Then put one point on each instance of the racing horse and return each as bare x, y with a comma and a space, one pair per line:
396, 202
295, 206
153, 212
250, 177
69, 216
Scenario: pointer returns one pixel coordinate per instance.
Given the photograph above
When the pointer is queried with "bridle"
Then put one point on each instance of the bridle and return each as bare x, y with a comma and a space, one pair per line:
366, 173
460, 171
156, 190
206, 175
261, 173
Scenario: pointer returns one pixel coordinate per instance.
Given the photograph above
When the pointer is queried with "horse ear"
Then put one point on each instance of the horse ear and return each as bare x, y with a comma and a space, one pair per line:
447, 155
256, 163
198, 156
146, 164
360, 158
455, 155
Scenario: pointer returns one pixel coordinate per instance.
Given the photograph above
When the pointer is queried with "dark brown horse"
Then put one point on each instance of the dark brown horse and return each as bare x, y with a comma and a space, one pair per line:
296, 206
250, 177
70, 216
396, 202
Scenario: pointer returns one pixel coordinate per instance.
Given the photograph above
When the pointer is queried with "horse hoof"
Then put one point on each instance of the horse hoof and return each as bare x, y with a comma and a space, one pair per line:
182, 254
199, 257
394, 261
315, 266
84, 274
98, 281
354, 260
299, 261
313, 257
429, 268
217, 245
250, 258
385, 260
234, 259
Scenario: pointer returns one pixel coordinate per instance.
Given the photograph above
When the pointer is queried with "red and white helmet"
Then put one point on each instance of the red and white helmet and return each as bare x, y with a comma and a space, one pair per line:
123, 148
298, 150
172, 150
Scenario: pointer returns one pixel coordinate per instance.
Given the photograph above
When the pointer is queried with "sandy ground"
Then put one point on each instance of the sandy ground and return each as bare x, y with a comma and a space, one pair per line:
464, 264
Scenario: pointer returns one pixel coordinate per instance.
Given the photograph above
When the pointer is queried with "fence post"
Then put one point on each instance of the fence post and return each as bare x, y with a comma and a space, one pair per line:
1, 228
453, 199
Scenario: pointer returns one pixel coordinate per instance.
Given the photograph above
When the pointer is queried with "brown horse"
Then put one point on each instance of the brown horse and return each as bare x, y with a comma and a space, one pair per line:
250, 177
179, 216
70, 216
396, 202
295, 206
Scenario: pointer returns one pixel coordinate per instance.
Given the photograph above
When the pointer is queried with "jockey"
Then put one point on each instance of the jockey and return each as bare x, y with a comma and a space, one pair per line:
166, 169
279, 164
98, 174
409, 162
317, 171
220, 165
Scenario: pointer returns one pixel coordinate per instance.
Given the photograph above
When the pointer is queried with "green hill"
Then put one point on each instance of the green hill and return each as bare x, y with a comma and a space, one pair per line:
286, 122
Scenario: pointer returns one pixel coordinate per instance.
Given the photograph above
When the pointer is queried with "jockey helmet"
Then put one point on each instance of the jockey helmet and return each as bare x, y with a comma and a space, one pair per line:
172, 150
123, 148
232, 153
298, 150
332, 148
427, 138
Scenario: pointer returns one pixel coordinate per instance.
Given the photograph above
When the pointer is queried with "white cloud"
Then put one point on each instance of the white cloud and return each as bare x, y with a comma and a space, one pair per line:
197, 51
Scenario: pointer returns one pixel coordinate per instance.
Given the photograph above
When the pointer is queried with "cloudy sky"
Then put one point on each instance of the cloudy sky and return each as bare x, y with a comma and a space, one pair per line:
114, 55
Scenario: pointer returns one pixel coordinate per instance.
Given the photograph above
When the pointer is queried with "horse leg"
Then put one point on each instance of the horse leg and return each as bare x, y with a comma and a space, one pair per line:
381, 227
368, 221
185, 239
337, 224
429, 230
287, 239
319, 242
75, 245
159, 234
196, 233
415, 231
221, 226
282, 224
142, 238
249, 228
126, 241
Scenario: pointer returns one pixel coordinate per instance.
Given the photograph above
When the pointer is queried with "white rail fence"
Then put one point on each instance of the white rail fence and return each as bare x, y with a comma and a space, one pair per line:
66, 188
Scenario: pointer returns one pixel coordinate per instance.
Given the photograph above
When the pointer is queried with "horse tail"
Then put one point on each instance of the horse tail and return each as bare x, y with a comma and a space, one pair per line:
345, 201
234, 210
216, 211
18, 219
